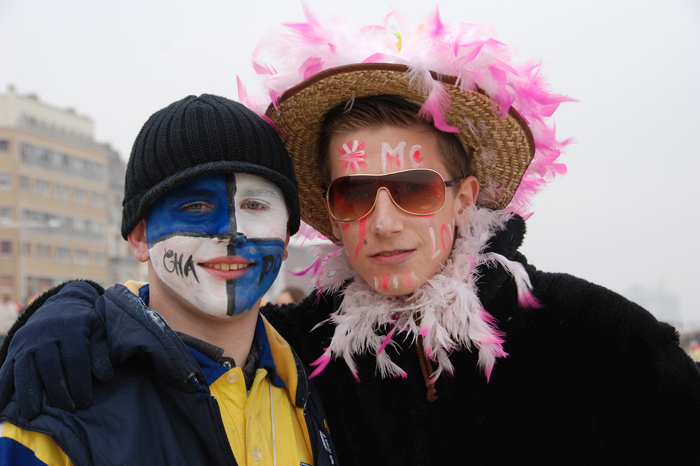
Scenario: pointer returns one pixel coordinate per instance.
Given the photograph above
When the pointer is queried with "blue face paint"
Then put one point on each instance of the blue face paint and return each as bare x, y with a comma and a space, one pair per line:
267, 257
217, 240
176, 212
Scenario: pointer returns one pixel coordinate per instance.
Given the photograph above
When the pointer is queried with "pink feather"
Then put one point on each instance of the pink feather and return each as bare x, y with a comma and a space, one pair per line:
242, 91
386, 341
321, 362
434, 107
310, 67
436, 28
527, 300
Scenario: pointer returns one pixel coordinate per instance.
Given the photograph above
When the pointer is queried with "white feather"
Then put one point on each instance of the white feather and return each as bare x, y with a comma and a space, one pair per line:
446, 309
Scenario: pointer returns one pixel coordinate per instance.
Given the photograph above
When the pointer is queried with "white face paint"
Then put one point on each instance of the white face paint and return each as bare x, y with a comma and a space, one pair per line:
218, 241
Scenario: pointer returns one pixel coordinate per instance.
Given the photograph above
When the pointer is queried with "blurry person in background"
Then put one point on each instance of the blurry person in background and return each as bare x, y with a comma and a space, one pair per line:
290, 295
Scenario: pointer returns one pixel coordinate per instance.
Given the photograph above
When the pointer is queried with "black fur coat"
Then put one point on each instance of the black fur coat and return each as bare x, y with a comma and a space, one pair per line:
590, 379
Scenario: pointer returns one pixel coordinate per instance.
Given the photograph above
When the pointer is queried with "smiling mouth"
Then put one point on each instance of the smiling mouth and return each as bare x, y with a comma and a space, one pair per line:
226, 267
392, 253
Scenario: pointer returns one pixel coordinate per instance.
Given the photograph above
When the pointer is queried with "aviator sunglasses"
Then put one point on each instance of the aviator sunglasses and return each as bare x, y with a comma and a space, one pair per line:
419, 191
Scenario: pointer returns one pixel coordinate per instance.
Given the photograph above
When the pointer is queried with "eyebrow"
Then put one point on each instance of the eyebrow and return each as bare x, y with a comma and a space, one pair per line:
259, 192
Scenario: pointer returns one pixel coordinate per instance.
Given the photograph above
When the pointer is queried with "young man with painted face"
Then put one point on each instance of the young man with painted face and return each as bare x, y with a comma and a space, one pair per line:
199, 376
436, 342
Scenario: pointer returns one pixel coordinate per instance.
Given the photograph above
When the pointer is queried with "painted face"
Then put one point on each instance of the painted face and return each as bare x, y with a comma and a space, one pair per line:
394, 251
218, 241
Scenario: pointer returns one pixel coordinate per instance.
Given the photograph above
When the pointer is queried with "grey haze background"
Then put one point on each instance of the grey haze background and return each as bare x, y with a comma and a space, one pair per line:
626, 214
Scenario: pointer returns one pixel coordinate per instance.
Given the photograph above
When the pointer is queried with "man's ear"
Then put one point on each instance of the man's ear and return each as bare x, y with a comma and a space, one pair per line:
467, 192
334, 223
138, 242
286, 243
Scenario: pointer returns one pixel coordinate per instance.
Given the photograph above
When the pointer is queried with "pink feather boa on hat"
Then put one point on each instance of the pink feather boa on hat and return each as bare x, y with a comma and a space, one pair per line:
469, 52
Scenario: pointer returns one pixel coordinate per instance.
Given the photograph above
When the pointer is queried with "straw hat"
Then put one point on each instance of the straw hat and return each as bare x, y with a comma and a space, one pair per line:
464, 80
300, 110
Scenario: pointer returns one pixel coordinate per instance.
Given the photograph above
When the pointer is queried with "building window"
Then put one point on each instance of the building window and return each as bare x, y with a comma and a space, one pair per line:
5, 181
5, 247
5, 214
80, 195
81, 256
78, 166
4, 146
57, 161
62, 192
24, 183
42, 187
94, 229
97, 199
98, 258
79, 225
43, 251
62, 254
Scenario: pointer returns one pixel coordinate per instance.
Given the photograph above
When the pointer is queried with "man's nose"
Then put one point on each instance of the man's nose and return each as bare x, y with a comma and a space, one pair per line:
386, 218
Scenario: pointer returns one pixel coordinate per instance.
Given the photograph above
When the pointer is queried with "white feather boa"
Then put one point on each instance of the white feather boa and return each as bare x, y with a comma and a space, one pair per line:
445, 310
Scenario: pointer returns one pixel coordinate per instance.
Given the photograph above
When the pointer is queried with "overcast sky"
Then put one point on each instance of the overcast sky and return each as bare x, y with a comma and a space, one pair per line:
624, 216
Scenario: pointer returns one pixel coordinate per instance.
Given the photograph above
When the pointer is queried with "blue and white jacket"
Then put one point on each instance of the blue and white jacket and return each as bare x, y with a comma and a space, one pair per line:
159, 408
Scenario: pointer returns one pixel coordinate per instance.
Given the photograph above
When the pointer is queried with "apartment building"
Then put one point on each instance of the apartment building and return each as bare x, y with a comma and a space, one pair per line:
56, 190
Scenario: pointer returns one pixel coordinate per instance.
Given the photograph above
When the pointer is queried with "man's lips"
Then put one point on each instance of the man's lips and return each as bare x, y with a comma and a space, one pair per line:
226, 268
392, 257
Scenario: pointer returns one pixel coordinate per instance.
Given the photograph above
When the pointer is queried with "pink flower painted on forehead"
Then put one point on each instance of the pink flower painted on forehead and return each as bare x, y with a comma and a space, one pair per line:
353, 156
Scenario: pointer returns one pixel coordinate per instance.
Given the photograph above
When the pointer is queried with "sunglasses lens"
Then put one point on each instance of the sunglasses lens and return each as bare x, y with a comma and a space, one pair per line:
415, 191
352, 197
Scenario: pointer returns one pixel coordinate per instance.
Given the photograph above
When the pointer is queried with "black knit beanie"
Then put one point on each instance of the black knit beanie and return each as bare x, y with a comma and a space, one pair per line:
199, 136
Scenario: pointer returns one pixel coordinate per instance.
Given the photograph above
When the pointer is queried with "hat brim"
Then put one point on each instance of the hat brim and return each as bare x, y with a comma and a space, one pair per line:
502, 144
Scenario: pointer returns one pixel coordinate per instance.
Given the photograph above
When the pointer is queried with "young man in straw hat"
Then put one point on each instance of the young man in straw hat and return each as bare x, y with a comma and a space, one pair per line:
416, 150
210, 202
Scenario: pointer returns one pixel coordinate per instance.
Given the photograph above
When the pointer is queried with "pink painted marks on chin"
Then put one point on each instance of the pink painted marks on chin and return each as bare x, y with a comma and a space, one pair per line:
385, 281
407, 280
